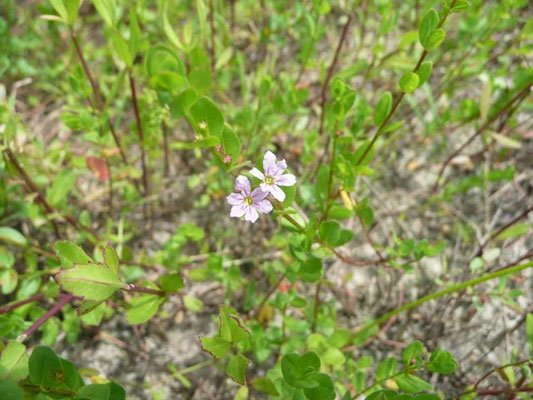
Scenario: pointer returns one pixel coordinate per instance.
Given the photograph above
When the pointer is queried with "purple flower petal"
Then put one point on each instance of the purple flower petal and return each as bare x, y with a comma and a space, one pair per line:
258, 174
251, 214
279, 168
235, 199
258, 194
265, 188
242, 184
269, 161
285, 180
238, 211
277, 193
264, 206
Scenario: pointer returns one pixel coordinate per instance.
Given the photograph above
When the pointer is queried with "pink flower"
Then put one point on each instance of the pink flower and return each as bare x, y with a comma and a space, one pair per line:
273, 177
247, 203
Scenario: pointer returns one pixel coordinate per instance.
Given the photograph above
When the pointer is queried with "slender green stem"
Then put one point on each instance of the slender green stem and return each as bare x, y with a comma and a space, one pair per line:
449, 290
400, 96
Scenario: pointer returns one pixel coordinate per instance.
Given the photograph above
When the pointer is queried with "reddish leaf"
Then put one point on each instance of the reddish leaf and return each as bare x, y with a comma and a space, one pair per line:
98, 167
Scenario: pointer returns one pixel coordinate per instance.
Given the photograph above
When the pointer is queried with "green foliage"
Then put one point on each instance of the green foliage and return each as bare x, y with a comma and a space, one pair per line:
125, 124
45, 373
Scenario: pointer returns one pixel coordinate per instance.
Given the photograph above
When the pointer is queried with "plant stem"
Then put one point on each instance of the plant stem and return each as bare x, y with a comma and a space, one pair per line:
140, 132
40, 197
12, 306
268, 295
166, 164
96, 91
452, 289
316, 306
212, 38
340, 256
38, 388
401, 95
520, 95
33, 187
66, 298
324, 92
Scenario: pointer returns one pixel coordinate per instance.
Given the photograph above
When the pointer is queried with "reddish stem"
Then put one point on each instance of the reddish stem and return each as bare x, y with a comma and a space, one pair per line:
21, 303
67, 298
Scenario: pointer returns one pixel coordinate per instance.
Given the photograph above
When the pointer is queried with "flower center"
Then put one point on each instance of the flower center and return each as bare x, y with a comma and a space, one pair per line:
248, 200
269, 180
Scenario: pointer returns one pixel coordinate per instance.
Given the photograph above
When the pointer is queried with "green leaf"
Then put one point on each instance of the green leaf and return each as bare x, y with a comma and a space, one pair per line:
412, 352
207, 118
323, 391
442, 362
236, 368
340, 212
215, 346
107, 10
171, 282
193, 304
180, 104
143, 308
135, 33
460, 5
409, 82
514, 231
99, 391
386, 368
14, 362
94, 315
412, 383
91, 281
121, 49
162, 58
310, 270
210, 141
8, 281
231, 143
242, 393
11, 391
297, 369
529, 331
383, 395
435, 39
60, 8
61, 186
72, 7
111, 258
383, 108
365, 211
12, 236
45, 367
427, 26
265, 385
70, 254
232, 327
329, 232
424, 72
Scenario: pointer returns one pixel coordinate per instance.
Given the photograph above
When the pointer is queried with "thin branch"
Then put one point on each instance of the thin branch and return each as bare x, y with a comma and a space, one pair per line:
40, 197
140, 132
520, 95
401, 95
268, 295
324, 92
67, 298
12, 306
97, 95
213, 32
